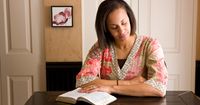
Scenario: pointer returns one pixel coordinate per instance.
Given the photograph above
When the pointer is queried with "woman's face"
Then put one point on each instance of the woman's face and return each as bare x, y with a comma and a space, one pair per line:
119, 25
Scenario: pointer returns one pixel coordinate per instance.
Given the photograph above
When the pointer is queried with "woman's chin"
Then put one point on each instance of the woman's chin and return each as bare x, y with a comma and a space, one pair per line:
123, 38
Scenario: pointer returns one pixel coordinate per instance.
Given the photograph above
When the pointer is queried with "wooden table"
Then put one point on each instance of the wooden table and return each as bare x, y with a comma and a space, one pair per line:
171, 98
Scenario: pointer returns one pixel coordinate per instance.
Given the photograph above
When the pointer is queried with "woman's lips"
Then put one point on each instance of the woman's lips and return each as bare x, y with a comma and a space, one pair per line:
122, 36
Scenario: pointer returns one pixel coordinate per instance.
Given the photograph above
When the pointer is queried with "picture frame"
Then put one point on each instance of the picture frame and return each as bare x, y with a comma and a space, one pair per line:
61, 16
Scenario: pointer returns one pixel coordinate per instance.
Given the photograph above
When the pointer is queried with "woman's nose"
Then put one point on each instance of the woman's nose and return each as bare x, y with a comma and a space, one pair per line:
120, 30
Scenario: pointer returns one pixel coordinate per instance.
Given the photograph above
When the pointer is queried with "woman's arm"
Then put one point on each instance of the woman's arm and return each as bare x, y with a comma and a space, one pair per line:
140, 89
134, 87
134, 81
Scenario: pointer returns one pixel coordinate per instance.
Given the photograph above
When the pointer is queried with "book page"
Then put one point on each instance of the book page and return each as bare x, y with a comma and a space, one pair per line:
98, 98
71, 96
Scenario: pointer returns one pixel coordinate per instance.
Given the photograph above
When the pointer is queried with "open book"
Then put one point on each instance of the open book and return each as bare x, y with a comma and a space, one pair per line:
96, 98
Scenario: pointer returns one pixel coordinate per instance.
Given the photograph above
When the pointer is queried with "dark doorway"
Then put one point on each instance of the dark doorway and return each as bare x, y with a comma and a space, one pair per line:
197, 80
61, 76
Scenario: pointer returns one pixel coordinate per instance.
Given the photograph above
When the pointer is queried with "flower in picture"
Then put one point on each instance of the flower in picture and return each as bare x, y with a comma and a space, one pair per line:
62, 17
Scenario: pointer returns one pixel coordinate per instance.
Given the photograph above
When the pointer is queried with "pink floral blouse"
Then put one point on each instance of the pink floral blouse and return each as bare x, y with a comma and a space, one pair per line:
146, 58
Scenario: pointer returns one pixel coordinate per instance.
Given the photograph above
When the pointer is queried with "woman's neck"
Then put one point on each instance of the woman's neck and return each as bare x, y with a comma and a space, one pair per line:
124, 48
126, 44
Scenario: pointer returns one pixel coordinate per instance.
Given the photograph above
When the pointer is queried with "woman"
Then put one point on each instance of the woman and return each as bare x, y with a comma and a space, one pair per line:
122, 62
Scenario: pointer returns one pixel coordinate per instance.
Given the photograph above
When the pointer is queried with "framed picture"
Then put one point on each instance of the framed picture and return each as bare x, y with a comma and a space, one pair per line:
61, 16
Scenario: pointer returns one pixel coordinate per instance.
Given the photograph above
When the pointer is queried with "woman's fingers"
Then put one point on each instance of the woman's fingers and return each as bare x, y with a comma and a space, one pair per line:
89, 89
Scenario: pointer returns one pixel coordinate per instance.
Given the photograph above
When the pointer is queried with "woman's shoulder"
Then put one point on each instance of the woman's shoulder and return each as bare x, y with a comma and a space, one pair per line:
96, 48
148, 39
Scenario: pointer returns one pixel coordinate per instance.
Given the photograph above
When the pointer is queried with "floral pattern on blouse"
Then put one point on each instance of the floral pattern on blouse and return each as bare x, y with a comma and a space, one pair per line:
146, 58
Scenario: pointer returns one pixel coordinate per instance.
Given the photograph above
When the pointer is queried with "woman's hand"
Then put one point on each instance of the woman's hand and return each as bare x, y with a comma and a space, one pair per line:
93, 88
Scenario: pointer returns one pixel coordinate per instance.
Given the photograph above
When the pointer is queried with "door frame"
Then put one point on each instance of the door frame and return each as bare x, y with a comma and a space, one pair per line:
195, 17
